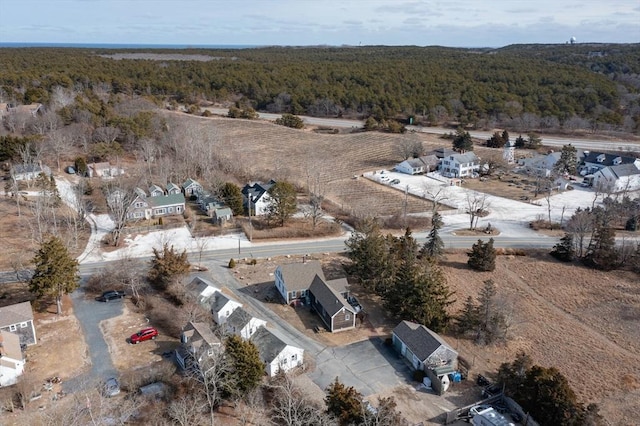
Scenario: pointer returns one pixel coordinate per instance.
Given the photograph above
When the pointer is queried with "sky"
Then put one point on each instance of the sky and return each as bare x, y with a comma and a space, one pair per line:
454, 23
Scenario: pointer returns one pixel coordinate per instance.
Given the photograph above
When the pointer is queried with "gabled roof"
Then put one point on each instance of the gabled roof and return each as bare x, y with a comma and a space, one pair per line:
419, 339
269, 342
199, 332
14, 314
140, 192
155, 187
219, 301
223, 211
341, 285
442, 152
202, 288
166, 200
239, 319
623, 170
172, 186
331, 300
414, 163
467, 157
256, 190
592, 157
429, 160
298, 276
190, 182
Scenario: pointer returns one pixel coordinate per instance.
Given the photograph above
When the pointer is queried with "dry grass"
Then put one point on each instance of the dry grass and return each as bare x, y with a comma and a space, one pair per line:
293, 228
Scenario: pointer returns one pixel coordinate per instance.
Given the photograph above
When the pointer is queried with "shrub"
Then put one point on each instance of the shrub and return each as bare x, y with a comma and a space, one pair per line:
232, 263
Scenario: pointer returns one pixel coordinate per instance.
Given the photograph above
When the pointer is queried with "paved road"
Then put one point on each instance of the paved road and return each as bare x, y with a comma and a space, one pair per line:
90, 313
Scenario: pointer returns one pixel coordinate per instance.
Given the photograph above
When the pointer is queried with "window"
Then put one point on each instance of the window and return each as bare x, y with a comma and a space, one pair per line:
292, 295
347, 317
23, 325
294, 357
210, 352
137, 214
12, 327
139, 204
303, 293
170, 209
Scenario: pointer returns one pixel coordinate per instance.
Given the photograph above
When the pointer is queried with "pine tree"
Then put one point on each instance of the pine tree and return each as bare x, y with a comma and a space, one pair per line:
167, 265
370, 260
520, 142
231, 194
345, 403
283, 202
564, 250
462, 141
602, 253
469, 318
568, 162
482, 256
246, 365
433, 248
56, 272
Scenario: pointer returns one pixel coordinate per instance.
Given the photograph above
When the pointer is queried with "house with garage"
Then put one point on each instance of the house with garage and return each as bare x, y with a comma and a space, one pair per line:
29, 171
103, 170
332, 306
293, 280
197, 341
425, 350
11, 358
277, 353
618, 178
255, 196
191, 187
243, 324
18, 319
152, 207
201, 289
594, 161
460, 165
222, 306
414, 166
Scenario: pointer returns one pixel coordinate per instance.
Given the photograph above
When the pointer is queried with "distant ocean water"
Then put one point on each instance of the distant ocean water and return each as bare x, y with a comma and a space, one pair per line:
131, 46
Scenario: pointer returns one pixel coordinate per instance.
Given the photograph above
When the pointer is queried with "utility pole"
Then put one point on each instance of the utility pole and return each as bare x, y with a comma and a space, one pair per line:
250, 225
406, 195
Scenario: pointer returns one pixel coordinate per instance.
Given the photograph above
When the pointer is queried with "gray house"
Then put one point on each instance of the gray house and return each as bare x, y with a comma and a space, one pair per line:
424, 349
18, 319
144, 207
331, 305
293, 280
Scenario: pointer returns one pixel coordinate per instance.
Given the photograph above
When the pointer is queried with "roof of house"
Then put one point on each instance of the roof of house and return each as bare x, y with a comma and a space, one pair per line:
298, 276
166, 200
429, 160
256, 190
28, 168
419, 339
140, 192
223, 211
199, 286
331, 300
219, 301
198, 332
172, 186
10, 345
155, 187
442, 152
190, 182
341, 285
14, 314
414, 163
623, 170
239, 319
269, 342
467, 157
592, 157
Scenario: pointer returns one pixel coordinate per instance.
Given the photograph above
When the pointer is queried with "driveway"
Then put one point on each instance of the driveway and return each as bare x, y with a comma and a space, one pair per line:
369, 366
90, 313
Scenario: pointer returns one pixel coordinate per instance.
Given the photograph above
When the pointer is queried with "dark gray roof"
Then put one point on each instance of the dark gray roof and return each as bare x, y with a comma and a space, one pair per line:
298, 276
218, 301
256, 190
429, 160
198, 285
608, 159
622, 170
442, 152
198, 332
269, 343
419, 339
239, 319
331, 300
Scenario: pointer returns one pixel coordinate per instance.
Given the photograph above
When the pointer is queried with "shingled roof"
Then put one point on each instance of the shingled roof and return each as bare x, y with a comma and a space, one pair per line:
330, 299
14, 314
419, 339
269, 343
298, 276
239, 319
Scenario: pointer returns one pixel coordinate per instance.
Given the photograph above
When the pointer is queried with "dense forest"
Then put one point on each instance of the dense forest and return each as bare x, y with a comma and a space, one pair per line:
524, 87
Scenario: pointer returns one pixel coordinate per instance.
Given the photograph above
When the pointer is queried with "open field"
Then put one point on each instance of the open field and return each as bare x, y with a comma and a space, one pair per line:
584, 322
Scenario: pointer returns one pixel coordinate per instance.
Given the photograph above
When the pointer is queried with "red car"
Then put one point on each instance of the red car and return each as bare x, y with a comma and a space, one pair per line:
148, 333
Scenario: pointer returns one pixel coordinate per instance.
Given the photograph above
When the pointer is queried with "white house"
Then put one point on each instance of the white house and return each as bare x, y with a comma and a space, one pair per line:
222, 306
103, 170
618, 178
18, 319
594, 161
243, 324
152, 207
11, 358
413, 166
201, 289
276, 353
293, 280
256, 197
460, 165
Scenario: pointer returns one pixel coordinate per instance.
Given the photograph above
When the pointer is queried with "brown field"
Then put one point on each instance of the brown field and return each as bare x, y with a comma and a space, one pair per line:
584, 322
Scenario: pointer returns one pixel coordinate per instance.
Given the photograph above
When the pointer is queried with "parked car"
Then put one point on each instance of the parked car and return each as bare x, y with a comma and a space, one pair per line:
111, 387
110, 295
354, 303
148, 333
395, 181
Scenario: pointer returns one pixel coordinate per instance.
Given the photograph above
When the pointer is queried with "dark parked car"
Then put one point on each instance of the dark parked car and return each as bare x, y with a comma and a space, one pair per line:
110, 295
148, 333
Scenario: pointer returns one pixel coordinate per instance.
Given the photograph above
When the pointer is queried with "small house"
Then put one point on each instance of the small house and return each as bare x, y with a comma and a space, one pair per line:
103, 170
242, 323
222, 306
155, 190
29, 171
11, 358
256, 197
18, 319
172, 188
191, 187
293, 280
331, 306
276, 352
201, 289
197, 341
422, 348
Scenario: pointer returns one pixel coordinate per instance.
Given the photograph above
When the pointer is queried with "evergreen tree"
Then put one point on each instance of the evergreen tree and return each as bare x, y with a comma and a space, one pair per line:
564, 250
246, 366
568, 162
167, 266
482, 256
283, 202
469, 318
534, 141
345, 403
602, 253
433, 248
520, 142
231, 194
495, 141
462, 141
505, 137
56, 272
370, 259
290, 120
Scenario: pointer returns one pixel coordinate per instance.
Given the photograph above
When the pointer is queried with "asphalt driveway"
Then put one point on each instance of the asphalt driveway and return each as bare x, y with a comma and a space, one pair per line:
369, 366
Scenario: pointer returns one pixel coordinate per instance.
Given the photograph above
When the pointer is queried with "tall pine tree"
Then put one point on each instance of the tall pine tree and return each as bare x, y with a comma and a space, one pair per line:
482, 256
433, 248
56, 272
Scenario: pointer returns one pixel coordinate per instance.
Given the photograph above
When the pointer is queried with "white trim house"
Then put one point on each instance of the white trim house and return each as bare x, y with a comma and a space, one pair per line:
276, 353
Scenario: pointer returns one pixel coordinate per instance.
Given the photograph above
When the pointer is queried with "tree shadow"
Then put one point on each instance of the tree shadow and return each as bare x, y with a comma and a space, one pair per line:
455, 264
264, 292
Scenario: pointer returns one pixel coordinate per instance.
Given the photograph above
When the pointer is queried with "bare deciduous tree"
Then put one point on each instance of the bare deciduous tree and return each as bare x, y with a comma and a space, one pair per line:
120, 197
291, 408
476, 205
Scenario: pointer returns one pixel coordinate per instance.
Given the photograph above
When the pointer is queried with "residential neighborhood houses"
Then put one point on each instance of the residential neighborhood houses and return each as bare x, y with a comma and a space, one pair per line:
17, 331
156, 204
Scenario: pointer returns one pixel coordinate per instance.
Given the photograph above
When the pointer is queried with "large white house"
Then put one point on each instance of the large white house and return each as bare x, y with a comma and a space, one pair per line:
256, 197
460, 165
414, 166
619, 178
